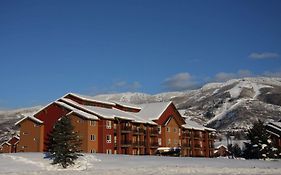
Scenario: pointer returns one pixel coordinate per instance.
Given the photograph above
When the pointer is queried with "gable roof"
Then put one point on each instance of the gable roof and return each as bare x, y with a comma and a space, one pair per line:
274, 128
107, 113
193, 125
153, 111
29, 118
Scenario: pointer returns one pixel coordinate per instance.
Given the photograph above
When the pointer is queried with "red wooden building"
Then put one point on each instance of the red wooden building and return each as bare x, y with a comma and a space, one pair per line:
117, 128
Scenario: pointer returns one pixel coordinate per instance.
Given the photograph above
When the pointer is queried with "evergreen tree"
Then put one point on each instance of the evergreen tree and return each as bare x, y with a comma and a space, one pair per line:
260, 145
236, 150
63, 143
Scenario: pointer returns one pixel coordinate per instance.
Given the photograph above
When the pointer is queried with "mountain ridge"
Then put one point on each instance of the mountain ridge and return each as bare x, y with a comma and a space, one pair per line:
227, 106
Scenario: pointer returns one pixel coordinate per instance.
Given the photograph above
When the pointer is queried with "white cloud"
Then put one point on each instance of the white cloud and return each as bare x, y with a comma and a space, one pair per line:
180, 81
263, 55
224, 76
123, 85
272, 74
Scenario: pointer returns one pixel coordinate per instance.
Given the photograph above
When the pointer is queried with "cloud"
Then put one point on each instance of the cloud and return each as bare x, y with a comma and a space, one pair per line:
224, 76
272, 74
263, 55
123, 85
180, 81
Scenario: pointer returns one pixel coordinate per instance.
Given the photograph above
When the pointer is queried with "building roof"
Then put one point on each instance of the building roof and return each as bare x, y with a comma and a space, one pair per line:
152, 111
274, 128
89, 98
193, 125
107, 113
29, 117
77, 111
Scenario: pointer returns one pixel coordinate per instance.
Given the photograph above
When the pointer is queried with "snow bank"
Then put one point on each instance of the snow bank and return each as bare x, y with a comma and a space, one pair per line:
101, 164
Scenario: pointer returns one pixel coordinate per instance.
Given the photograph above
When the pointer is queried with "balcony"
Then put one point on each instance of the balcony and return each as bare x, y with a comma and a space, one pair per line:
186, 134
138, 131
126, 129
154, 144
197, 146
126, 143
186, 145
154, 132
138, 143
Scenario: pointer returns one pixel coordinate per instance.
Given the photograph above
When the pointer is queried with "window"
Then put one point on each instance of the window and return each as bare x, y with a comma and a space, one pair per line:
35, 139
159, 141
169, 142
108, 139
175, 130
108, 151
93, 151
168, 129
159, 129
92, 123
93, 137
24, 133
36, 125
108, 124
179, 132
175, 142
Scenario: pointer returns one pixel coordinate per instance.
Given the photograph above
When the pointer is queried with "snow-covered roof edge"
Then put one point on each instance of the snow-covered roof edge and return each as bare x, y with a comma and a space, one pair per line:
29, 117
88, 98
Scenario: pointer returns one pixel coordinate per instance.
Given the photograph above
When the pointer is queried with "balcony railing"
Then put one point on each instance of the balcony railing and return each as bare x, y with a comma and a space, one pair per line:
186, 134
126, 142
154, 132
138, 143
186, 145
126, 128
153, 144
138, 131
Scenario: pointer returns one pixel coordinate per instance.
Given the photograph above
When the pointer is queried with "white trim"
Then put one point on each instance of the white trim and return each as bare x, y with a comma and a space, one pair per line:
29, 117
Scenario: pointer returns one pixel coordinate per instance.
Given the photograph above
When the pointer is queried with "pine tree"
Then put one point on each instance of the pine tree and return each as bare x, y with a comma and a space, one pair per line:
260, 146
63, 143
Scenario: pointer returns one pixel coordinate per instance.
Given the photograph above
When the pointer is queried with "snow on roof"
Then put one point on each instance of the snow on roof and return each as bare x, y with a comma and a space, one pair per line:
221, 145
193, 125
5, 143
277, 124
108, 113
29, 117
89, 98
152, 111
77, 111
127, 105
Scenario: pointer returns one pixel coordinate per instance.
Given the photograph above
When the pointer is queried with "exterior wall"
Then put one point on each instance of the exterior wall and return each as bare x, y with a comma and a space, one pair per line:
171, 134
84, 129
6, 148
31, 135
221, 151
14, 144
105, 146
49, 116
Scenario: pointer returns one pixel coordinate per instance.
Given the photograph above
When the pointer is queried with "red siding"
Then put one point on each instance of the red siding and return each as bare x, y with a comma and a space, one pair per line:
103, 132
171, 110
49, 116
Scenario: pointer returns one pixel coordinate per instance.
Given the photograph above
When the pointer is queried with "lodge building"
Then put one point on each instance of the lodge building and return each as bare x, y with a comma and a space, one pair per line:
117, 128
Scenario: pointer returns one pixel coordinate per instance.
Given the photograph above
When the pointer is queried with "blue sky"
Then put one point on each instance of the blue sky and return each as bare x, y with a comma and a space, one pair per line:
49, 48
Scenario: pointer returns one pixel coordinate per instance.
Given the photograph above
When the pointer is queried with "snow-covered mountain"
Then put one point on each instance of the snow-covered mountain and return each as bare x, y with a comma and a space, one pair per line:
9, 117
232, 105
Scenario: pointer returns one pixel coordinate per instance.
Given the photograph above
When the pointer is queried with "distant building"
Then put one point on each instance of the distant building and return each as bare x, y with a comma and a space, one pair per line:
221, 151
117, 128
10, 146
274, 128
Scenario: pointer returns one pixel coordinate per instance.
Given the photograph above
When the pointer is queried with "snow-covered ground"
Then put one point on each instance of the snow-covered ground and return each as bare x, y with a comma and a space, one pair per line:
101, 164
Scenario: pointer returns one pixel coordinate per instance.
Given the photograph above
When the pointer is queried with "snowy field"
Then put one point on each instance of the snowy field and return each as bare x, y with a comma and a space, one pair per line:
101, 164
